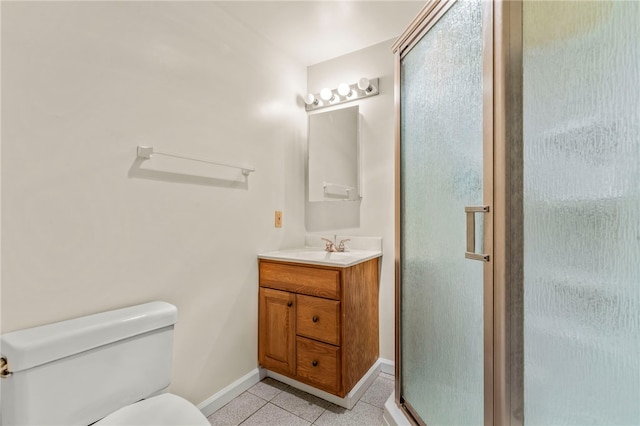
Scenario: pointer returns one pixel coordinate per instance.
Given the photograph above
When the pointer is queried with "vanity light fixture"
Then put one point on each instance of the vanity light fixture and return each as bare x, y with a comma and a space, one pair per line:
327, 95
311, 100
344, 93
365, 85
345, 90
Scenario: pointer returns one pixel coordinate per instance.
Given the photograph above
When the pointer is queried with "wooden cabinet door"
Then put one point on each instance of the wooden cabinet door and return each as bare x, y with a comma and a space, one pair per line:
277, 330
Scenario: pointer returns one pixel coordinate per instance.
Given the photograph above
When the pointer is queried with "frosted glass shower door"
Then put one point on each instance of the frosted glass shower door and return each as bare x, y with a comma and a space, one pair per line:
581, 91
441, 172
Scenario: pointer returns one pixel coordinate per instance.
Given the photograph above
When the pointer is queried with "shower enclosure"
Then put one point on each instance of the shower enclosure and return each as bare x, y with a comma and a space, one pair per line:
518, 213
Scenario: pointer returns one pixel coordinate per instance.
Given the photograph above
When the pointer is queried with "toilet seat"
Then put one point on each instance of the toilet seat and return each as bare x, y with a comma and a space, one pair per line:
162, 410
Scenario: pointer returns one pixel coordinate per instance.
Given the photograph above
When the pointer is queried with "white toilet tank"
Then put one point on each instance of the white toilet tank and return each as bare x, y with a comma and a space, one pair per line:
75, 372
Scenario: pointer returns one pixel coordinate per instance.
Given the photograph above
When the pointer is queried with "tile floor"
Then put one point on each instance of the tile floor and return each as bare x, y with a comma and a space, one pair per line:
274, 403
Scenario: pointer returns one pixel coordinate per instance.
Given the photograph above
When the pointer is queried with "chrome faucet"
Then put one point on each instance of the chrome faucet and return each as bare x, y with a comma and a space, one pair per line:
331, 246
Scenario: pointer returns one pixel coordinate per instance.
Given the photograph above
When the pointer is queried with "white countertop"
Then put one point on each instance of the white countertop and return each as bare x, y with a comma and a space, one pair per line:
318, 256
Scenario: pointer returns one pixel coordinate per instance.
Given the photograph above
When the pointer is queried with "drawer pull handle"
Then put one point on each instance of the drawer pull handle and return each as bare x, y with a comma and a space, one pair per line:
289, 304
314, 319
314, 363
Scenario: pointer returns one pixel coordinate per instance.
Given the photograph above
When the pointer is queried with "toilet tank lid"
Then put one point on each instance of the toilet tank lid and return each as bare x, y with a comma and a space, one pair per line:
38, 345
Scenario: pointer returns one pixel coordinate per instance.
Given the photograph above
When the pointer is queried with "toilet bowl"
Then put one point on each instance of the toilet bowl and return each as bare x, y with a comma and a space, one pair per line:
111, 368
162, 410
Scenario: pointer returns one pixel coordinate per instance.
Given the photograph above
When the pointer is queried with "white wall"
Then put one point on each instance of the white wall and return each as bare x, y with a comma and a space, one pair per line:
86, 227
375, 215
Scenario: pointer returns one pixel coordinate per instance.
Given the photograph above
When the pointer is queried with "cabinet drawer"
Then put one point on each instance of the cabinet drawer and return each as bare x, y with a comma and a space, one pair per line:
300, 279
318, 319
318, 364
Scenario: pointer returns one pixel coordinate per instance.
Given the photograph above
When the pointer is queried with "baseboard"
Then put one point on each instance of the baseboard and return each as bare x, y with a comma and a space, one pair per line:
392, 415
352, 397
224, 396
387, 366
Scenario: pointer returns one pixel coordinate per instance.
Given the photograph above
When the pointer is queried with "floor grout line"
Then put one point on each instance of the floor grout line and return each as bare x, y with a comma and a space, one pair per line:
325, 409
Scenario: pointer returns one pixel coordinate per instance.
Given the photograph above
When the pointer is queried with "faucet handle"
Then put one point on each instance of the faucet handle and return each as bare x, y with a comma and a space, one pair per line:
341, 245
329, 245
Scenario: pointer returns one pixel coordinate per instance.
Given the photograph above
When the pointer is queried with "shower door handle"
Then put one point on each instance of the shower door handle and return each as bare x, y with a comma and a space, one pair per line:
471, 233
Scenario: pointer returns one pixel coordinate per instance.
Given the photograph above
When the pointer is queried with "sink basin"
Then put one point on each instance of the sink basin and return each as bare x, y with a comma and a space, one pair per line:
318, 256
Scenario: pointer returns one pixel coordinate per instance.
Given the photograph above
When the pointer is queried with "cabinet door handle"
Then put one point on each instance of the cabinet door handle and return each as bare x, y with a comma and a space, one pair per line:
314, 363
314, 319
289, 304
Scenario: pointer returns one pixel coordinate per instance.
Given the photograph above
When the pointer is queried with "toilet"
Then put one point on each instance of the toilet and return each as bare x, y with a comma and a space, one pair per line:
111, 368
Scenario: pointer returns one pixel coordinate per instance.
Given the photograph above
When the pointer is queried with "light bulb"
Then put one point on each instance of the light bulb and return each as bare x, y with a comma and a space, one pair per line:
344, 89
365, 85
311, 100
327, 95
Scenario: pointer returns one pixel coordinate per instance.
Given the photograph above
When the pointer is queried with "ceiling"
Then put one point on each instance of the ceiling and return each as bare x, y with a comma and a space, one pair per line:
314, 31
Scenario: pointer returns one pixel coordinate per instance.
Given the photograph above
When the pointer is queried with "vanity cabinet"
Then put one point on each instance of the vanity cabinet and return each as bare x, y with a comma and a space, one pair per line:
318, 324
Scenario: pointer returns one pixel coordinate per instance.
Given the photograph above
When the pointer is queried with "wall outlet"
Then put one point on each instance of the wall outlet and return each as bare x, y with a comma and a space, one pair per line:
278, 219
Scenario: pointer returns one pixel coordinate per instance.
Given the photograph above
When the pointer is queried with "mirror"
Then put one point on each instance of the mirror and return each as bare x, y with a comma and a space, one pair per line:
333, 158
